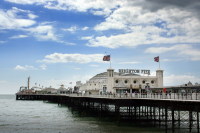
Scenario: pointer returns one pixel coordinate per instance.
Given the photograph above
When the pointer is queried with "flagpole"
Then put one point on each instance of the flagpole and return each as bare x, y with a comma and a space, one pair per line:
110, 63
159, 62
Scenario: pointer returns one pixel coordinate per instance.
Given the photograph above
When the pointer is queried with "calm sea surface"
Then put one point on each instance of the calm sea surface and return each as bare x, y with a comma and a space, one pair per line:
42, 117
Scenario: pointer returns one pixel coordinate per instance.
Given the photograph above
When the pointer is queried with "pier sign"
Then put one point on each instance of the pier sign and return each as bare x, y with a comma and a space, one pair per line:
133, 71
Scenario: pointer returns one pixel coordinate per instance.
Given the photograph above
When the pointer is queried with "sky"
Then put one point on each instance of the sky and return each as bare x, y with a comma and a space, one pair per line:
61, 41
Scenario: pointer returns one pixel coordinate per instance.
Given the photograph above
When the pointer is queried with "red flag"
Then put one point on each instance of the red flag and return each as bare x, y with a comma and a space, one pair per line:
106, 58
156, 59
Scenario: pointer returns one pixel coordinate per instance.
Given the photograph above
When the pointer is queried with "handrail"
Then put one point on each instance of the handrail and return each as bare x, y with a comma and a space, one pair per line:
175, 96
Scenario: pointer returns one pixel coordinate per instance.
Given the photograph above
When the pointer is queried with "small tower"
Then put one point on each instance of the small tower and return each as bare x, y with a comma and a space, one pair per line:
159, 75
110, 80
110, 72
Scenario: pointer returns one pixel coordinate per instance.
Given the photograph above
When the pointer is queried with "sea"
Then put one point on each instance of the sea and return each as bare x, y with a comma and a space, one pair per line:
18, 116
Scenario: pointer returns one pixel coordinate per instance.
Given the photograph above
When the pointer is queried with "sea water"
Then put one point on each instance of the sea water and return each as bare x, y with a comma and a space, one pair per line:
18, 116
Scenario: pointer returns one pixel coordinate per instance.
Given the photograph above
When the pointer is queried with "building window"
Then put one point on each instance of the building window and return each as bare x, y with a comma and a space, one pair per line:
143, 81
134, 81
152, 81
116, 81
95, 84
126, 81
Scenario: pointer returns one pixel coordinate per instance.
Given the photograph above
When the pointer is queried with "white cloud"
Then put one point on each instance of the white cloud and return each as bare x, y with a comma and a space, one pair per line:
97, 7
44, 32
43, 67
159, 50
85, 28
32, 16
77, 58
24, 2
16, 18
183, 79
28, 67
141, 36
140, 22
141, 26
72, 29
182, 50
18, 36
103, 12
25, 68
86, 38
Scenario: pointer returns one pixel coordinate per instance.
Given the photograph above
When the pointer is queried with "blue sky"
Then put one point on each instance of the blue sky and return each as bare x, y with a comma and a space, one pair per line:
57, 42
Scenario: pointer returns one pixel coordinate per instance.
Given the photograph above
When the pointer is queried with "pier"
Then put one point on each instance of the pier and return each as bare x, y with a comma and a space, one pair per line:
174, 113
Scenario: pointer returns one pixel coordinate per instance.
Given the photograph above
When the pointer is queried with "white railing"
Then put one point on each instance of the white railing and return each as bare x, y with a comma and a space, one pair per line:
175, 96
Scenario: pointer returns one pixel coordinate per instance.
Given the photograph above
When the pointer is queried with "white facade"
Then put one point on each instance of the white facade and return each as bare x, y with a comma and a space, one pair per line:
111, 81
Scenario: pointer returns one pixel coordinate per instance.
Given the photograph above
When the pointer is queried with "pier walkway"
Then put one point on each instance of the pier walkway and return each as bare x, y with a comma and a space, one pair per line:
175, 112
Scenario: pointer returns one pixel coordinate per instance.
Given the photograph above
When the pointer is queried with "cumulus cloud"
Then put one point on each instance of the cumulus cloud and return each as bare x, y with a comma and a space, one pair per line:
99, 7
72, 29
141, 25
28, 67
18, 36
86, 37
181, 49
139, 36
103, 7
85, 28
23, 20
25, 68
154, 5
159, 50
76, 58
16, 18
140, 22
44, 32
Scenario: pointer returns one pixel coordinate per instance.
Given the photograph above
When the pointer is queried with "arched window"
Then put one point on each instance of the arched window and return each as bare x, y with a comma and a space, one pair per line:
116, 81
126, 81
143, 81
135, 81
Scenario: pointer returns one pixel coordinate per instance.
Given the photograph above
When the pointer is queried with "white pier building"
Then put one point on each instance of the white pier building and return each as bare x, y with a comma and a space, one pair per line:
129, 80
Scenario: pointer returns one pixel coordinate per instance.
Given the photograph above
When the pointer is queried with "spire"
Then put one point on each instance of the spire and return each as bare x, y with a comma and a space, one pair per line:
28, 82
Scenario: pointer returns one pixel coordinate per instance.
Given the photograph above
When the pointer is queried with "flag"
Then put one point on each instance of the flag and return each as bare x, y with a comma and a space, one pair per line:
156, 59
106, 58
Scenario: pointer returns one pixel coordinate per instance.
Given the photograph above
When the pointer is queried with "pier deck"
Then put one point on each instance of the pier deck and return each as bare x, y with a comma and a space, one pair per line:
172, 114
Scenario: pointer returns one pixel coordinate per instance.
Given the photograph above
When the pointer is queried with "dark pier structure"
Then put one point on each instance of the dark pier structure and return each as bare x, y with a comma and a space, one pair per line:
173, 115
